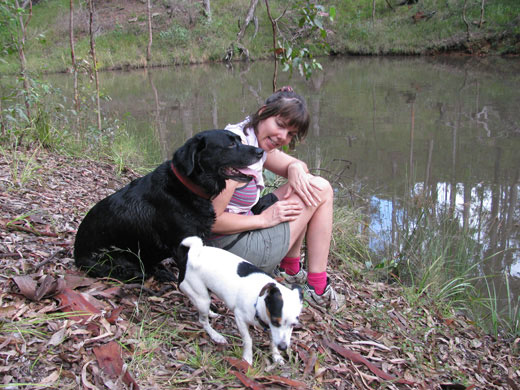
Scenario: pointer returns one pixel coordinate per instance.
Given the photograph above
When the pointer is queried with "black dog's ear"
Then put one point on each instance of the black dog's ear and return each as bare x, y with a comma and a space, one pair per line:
185, 155
299, 289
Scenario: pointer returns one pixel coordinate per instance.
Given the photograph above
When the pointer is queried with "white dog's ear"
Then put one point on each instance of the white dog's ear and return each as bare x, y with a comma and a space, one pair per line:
267, 288
298, 289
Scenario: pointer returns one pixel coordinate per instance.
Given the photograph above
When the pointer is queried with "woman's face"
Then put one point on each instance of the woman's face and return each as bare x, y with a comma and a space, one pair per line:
272, 133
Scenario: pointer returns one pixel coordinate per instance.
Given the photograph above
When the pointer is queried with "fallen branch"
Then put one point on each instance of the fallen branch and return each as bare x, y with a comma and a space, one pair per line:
16, 226
357, 358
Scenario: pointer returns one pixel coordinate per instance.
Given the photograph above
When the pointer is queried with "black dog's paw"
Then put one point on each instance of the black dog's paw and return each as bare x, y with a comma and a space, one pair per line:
164, 274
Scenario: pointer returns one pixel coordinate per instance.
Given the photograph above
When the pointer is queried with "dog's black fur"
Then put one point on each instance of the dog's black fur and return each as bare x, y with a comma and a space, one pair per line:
127, 234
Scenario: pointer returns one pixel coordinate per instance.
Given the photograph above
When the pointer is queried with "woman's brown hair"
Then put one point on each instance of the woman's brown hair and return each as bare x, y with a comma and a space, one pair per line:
291, 109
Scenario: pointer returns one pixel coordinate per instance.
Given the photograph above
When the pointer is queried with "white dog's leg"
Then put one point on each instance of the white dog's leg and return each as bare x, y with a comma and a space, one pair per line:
277, 357
243, 328
201, 300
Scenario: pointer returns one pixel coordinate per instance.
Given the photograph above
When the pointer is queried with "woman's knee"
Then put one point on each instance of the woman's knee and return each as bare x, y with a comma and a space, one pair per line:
324, 187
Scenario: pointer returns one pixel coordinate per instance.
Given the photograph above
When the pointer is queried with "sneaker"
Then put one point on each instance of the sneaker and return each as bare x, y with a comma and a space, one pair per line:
330, 299
300, 277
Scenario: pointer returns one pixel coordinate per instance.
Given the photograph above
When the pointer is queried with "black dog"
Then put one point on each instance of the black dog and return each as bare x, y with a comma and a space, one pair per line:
127, 234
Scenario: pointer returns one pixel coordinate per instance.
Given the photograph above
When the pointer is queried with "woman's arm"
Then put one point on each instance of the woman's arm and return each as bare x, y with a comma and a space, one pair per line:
297, 174
230, 223
280, 163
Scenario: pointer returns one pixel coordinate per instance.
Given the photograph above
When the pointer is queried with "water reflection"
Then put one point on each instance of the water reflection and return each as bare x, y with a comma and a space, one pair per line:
395, 135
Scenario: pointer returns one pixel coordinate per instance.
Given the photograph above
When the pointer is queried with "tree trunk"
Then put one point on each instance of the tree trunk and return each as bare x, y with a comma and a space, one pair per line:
373, 12
468, 36
21, 54
150, 35
2, 124
94, 61
73, 57
275, 29
207, 9
482, 5
249, 17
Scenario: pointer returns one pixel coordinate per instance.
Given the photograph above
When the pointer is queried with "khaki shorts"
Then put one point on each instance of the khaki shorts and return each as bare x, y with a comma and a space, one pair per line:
265, 248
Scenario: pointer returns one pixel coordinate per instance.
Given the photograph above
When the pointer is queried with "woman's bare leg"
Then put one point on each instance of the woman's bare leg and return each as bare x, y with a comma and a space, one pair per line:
315, 224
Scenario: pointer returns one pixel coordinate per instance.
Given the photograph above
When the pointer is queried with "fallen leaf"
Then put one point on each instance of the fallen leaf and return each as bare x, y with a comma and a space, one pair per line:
110, 361
76, 303
286, 381
58, 337
35, 290
239, 364
52, 378
248, 382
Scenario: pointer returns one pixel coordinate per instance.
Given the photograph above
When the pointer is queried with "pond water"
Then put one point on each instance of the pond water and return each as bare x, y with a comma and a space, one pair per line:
394, 135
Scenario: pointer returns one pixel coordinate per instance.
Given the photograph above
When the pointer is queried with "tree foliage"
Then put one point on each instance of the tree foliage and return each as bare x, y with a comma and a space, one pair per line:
294, 54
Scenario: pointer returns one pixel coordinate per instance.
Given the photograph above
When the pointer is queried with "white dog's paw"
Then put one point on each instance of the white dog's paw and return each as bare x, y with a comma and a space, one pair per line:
248, 358
212, 314
219, 339
216, 336
278, 359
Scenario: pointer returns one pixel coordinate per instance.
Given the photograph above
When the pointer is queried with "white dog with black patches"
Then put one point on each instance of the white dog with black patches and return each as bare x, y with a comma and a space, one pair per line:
253, 296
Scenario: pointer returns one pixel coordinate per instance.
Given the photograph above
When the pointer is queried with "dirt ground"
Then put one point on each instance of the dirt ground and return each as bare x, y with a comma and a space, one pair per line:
60, 329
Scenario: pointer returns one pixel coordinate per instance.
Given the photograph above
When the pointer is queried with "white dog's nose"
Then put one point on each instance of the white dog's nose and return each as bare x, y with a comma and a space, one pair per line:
282, 346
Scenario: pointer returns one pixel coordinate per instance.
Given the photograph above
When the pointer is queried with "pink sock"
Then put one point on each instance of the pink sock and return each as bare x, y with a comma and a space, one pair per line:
318, 281
291, 265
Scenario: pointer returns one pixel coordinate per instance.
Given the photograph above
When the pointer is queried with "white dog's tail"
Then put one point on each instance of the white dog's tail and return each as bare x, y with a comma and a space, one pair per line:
194, 243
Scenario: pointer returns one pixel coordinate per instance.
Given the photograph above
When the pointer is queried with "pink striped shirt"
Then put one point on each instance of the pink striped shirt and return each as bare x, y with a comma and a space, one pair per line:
244, 198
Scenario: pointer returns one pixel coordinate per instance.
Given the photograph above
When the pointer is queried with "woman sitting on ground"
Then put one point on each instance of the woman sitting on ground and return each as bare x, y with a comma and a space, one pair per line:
269, 232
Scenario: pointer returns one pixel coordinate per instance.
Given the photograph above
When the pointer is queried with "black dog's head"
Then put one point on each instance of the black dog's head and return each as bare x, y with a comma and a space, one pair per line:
210, 157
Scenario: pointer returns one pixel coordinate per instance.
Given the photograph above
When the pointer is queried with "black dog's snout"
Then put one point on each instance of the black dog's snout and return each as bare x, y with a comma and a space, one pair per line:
282, 346
259, 152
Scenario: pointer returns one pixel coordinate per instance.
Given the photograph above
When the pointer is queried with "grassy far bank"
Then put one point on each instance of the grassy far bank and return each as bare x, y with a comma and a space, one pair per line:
183, 34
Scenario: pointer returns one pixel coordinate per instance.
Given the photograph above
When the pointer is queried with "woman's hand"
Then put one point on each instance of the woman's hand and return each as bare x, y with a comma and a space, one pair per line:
281, 211
300, 182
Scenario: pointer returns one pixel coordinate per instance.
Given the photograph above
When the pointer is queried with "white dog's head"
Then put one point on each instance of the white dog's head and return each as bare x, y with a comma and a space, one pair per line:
278, 308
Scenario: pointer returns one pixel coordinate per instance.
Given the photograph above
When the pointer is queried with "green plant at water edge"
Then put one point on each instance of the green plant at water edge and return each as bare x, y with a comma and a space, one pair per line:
437, 257
512, 321
136, 149
57, 126
439, 262
22, 167
433, 282
350, 237
311, 21
494, 317
50, 124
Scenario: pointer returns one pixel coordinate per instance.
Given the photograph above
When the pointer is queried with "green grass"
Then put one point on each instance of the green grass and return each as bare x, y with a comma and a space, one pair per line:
23, 167
439, 264
490, 315
350, 238
395, 32
181, 39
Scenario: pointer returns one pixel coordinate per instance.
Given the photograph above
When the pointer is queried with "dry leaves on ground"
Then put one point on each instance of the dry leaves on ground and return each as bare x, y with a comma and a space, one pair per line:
60, 329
